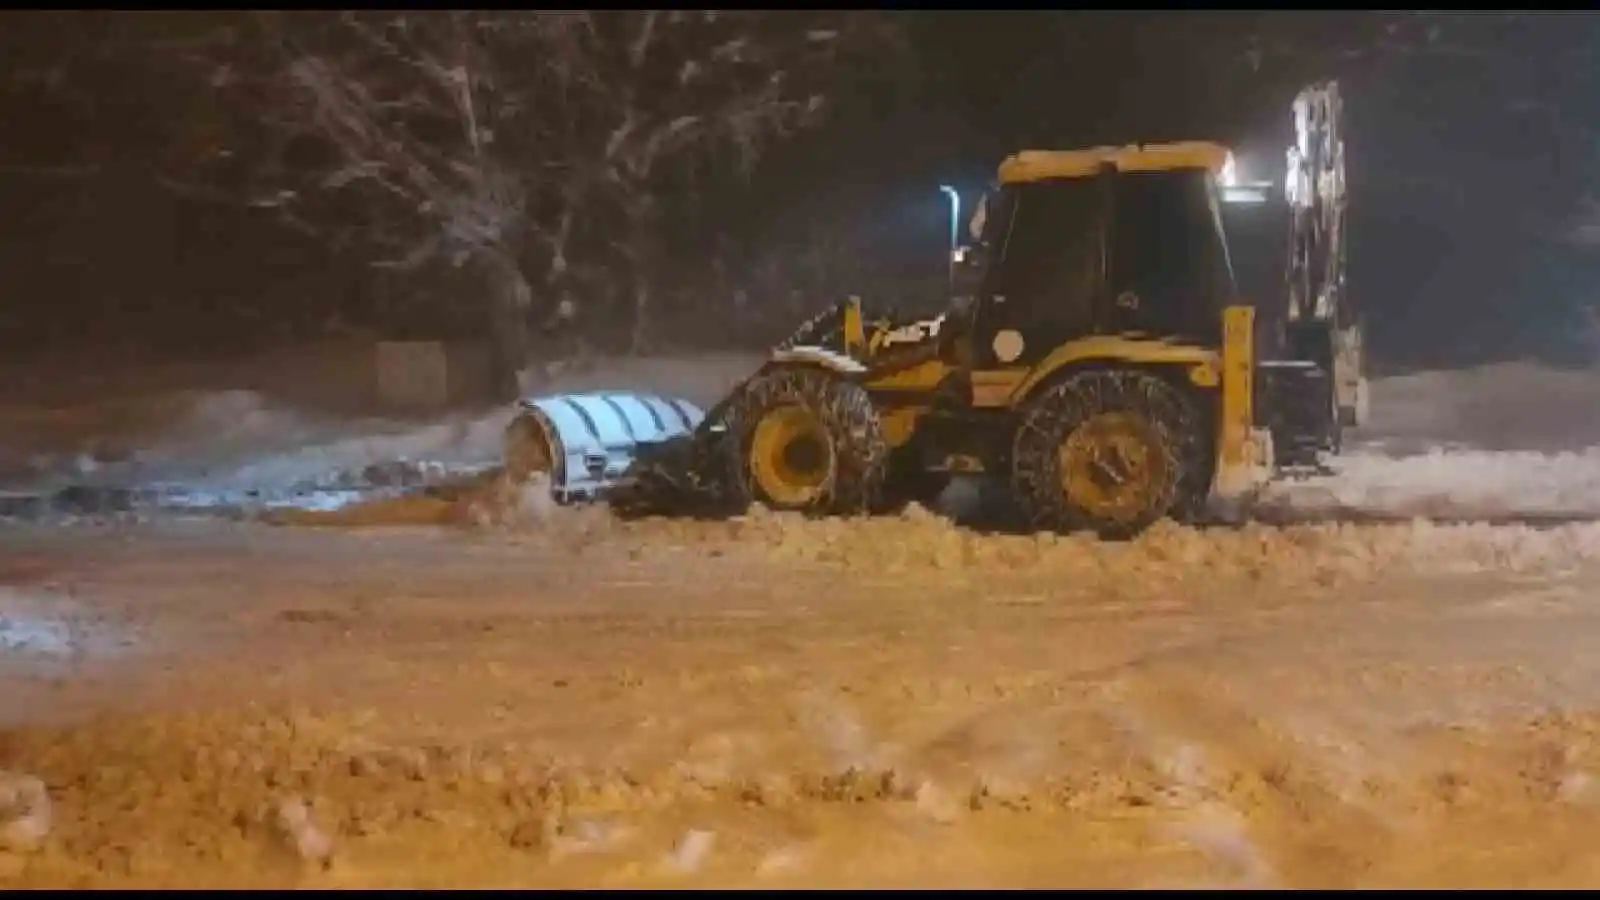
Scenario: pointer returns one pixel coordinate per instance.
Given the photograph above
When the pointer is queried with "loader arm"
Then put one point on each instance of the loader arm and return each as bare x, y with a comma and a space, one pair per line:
1322, 323
1315, 189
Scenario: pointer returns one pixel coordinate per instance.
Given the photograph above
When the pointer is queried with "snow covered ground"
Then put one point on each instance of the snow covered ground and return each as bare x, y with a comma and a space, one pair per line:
775, 701
1506, 442
1512, 441
1452, 483
223, 448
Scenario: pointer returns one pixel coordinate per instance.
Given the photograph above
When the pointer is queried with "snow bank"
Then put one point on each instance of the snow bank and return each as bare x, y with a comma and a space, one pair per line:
243, 440
1519, 406
1166, 561
1513, 441
236, 442
1452, 484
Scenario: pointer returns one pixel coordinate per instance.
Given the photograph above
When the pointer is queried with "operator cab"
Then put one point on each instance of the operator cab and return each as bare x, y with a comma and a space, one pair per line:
1125, 241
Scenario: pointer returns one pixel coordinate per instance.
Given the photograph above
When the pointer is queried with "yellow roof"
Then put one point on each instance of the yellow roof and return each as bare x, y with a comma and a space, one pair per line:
1037, 165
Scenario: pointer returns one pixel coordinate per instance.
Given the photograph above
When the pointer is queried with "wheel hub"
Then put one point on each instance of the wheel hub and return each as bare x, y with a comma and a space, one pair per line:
791, 457
1112, 466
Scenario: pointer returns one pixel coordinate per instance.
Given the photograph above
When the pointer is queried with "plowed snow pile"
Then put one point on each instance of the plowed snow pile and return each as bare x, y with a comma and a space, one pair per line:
1510, 441
1453, 484
216, 448
920, 545
236, 441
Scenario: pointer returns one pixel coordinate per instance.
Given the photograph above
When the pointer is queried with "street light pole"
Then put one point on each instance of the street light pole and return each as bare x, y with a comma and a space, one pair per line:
955, 228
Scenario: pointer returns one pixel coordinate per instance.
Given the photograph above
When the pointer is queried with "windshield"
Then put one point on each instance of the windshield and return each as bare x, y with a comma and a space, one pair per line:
980, 214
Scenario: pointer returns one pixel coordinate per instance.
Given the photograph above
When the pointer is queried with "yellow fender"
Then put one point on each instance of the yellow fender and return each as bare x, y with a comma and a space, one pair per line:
1204, 366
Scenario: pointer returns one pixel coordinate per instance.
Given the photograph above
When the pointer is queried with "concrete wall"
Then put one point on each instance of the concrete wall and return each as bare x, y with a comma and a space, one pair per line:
380, 376
424, 375
339, 376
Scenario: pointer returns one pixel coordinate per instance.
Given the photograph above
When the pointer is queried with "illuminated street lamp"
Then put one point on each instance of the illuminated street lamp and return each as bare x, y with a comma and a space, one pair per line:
955, 228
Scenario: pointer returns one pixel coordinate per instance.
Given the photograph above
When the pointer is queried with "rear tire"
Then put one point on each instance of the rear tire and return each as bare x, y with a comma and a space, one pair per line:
1111, 452
807, 440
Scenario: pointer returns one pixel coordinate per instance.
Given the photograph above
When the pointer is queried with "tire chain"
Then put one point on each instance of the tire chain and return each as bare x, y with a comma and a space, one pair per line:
1050, 417
846, 411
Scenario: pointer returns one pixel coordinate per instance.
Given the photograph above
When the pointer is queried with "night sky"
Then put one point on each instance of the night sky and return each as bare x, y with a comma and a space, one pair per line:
1471, 143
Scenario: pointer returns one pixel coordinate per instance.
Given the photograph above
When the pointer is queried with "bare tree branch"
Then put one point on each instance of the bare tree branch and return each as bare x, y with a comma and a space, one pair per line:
514, 141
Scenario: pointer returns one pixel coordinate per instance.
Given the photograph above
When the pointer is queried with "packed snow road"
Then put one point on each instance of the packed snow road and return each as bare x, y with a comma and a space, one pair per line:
775, 702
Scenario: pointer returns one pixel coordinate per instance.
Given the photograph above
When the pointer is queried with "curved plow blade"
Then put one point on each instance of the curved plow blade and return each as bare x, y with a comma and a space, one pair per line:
594, 439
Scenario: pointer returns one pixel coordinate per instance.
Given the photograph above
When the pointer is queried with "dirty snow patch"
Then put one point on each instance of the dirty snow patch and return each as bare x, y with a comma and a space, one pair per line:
45, 626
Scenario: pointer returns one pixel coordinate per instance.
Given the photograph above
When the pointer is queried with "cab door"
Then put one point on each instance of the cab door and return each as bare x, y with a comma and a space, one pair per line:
1046, 271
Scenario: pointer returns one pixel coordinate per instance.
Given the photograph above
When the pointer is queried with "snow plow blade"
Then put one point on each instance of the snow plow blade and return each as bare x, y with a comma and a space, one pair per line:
587, 444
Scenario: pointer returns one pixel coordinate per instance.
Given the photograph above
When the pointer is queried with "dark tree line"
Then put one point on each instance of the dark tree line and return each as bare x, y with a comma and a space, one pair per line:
547, 165
544, 176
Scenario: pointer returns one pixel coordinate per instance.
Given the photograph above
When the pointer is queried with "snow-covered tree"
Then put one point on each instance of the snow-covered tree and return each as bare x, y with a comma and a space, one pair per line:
541, 151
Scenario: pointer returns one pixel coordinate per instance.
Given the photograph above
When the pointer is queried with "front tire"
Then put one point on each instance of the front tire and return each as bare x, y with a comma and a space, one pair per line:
806, 440
1111, 452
